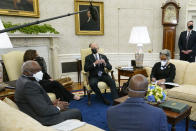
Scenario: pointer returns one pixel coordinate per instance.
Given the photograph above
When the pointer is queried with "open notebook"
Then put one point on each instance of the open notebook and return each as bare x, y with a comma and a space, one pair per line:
68, 125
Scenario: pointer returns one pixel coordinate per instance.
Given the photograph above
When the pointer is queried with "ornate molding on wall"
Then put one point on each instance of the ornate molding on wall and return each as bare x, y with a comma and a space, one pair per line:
192, 2
191, 5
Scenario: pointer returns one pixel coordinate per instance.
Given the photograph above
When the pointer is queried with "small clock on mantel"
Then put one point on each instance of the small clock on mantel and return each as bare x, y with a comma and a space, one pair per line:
170, 17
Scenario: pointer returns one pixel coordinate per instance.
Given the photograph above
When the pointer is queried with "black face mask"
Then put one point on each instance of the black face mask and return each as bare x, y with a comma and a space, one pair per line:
190, 27
94, 50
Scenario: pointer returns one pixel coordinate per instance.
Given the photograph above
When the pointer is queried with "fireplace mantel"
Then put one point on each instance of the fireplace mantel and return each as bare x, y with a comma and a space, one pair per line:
34, 35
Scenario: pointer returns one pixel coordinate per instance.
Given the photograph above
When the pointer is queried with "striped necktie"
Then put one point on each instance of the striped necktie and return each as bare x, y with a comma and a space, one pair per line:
187, 39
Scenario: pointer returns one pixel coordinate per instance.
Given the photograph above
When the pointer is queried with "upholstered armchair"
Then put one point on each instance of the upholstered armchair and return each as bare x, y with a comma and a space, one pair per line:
13, 62
101, 85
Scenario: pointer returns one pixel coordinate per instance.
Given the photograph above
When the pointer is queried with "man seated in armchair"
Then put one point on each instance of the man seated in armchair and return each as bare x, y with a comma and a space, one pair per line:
95, 64
33, 100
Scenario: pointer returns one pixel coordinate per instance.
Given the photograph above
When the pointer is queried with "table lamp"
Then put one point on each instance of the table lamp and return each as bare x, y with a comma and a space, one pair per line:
139, 35
4, 38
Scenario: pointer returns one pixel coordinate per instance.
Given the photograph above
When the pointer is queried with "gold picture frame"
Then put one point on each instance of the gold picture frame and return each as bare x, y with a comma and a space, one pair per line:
84, 23
28, 8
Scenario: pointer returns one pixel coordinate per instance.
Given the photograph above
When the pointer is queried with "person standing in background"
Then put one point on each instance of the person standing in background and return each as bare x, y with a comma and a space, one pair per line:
187, 43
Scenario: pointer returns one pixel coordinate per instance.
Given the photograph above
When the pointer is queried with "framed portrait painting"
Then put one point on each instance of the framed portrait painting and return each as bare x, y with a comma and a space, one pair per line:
29, 8
86, 23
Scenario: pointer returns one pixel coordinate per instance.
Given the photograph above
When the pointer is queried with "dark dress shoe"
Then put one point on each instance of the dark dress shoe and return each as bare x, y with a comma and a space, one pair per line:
105, 101
194, 126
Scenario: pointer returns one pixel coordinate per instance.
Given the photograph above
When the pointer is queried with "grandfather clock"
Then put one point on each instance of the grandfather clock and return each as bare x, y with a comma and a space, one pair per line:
170, 16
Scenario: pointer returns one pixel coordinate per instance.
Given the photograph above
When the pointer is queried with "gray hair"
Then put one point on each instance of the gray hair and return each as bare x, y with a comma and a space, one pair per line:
28, 66
166, 52
189, 22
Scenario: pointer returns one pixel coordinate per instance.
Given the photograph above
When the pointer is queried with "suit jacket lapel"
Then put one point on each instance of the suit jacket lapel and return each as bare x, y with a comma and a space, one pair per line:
92, 58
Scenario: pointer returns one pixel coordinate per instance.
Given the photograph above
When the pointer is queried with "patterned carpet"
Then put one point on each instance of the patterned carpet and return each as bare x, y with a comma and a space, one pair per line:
95, 114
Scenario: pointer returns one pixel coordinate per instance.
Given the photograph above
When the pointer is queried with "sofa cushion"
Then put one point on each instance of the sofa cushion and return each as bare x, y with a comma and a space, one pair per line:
190, 74
15, 120
183, 92
10, 103
181, 67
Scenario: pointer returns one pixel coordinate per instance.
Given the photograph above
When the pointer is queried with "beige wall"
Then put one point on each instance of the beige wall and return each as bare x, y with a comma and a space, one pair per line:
120, 16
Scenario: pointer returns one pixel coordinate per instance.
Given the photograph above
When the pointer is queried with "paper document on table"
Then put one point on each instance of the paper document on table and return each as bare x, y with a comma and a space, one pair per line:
171, 83
127, 68
68, 125
166, 83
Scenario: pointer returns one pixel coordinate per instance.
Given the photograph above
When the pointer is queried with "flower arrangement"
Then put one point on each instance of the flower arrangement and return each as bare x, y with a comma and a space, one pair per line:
155, 94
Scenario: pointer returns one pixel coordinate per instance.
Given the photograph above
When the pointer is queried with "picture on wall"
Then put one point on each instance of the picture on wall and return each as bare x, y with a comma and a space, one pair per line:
29, 8
86, 23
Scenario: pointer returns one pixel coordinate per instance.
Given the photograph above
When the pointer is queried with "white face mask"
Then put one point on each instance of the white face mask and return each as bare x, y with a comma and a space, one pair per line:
38, 76
163, 62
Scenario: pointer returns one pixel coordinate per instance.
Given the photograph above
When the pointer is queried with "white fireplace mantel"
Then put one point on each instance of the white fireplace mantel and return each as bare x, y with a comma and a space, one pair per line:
37, 39
34, 35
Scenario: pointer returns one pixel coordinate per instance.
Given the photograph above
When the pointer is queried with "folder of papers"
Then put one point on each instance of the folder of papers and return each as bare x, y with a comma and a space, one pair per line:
68, 125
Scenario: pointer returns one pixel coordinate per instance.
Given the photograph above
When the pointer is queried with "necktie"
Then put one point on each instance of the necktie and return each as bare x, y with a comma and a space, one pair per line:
187, 39
99, 67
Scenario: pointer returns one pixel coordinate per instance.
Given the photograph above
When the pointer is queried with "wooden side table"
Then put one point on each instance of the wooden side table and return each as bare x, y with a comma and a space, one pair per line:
130, 73
7, 93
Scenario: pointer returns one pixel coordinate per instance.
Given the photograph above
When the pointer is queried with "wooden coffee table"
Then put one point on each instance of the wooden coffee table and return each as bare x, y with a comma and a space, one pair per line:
172, 117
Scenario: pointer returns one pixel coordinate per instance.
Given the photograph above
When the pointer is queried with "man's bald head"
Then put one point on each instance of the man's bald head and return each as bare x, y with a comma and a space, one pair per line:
138, 86
30, 67
94, 45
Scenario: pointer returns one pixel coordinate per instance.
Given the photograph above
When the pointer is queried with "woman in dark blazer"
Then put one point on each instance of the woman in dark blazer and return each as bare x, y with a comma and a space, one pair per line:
163, 71
47, 82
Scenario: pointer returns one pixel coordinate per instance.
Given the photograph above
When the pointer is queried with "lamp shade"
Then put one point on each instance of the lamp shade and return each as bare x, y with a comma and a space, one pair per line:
4, 38
139, 35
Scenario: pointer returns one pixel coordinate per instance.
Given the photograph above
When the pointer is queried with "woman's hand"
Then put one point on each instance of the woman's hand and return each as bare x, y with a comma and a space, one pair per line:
161, 81
153, 79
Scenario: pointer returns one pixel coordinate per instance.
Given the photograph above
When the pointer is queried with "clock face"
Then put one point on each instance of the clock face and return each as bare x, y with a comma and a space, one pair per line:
170, 14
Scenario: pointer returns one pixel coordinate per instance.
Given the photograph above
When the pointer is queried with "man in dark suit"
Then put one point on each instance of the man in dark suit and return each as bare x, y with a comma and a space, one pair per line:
32, 99
135, 114
95, 64
187, 43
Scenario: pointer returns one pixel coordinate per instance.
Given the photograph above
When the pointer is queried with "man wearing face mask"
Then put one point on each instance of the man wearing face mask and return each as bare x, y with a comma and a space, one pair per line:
95, 64
33, 100
187, 43
163, 71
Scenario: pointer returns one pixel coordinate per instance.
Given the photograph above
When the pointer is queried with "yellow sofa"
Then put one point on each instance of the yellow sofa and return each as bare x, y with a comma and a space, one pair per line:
186, 78
14, 120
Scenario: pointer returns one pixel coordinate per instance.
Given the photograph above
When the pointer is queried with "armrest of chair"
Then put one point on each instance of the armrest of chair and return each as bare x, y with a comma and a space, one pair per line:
110, 71
148, 71
85, 77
